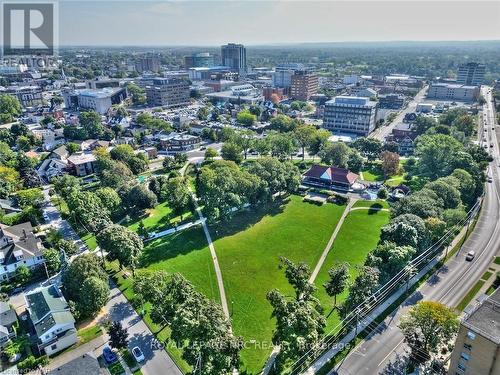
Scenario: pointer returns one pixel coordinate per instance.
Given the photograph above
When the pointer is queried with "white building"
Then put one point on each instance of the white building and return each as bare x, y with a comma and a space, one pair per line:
453, 92
98, 100
350, 114
51, 317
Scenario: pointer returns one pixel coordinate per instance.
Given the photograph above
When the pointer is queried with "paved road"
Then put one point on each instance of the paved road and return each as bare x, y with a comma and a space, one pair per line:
384, 346
382, 132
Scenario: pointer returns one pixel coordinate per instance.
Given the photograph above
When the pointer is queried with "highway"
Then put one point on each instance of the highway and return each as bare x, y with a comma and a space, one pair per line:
383, 348
382, 132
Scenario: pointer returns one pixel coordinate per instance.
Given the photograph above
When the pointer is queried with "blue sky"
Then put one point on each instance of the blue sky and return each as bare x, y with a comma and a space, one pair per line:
186, 22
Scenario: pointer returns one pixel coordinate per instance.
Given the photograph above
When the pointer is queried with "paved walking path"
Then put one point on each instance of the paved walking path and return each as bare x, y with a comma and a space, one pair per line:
370, 208
218, 272
179, 228
330, 242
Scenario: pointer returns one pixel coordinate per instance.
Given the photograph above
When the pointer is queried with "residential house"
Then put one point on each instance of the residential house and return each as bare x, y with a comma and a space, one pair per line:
8, 319
330, 177
18, 246
79, 164
82, 164
179, 141
50, 316
9, 206
404, 135
86, 364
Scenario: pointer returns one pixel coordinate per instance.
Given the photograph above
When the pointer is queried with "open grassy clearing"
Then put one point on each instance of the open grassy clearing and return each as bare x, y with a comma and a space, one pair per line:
249, 248
375, 204
157, 219
359, 234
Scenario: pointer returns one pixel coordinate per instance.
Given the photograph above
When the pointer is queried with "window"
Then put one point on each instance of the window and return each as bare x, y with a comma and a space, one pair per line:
471, 335
468, 346
464, 356
461, 367
53, 347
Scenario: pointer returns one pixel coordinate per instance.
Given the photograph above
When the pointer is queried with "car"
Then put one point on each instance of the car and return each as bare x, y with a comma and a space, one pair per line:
46, 217
491, 144
109, 355
470, 255
138, 354
489, 179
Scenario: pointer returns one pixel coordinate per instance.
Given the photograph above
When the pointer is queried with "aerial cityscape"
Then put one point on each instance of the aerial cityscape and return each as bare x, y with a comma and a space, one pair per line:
249, 187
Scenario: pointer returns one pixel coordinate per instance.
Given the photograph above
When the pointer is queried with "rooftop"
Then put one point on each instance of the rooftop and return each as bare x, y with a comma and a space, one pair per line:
99, 93
43, 301
352, 100
86, 364
485, 319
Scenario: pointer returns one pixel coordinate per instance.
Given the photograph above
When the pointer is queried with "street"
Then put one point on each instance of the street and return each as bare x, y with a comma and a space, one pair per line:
382, 132
384, 345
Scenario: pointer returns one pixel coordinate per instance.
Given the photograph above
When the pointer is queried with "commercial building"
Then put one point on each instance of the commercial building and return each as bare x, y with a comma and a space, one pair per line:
50, 316
273, 93
238, 94
453, 92
391, 101
234, 56
478, 342
179, 141
331, 177
212, 73
282, 75
148, 64
350, 114
471, 74
198, 60
28, 96
168, 92
98, 100
304, 85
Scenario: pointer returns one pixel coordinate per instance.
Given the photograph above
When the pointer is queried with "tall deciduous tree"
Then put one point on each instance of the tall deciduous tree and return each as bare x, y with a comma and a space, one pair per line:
121, 244
390, 163
94, 295
427, 327
337, 282
118, 336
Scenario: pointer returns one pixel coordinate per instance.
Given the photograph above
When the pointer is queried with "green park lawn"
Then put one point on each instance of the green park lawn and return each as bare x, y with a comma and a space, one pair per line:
375, 204
157, 219
249, 248
373, 173
359, 234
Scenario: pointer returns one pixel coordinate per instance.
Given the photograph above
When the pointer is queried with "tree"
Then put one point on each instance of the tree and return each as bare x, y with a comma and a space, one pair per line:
210, 154
466, 186
122, 153
336, 154
158, 185
52, 261
436, 228
137, 93
298, 277
232, 151
178, 195
399, 233
355, 162
69, 247
382, 193
245, 140
424, 203
72, 147
368, 147
65, 184
142, 231
9, 108
139, 197
91, 123
390, 163
299, 322
319, 141
246, 118
424, 123
363, 287
389, 259
113, 173
30, 197
282, 145
109, 198
446, 191
81, 268
276, 175
337, 282
304, 135
283, 123
427, 327
121, 244
88, 209
180, 158
118, 336
436, 154
94, 296
23, 274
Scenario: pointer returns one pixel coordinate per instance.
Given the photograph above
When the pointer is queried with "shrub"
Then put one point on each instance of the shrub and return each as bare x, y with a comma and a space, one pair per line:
313, 201
31, 363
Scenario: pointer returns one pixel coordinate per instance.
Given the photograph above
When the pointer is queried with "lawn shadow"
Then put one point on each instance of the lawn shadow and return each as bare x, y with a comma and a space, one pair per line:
247, 218
171, 246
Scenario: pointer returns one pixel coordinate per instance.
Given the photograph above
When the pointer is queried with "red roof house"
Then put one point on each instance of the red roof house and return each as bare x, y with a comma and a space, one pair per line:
330, 176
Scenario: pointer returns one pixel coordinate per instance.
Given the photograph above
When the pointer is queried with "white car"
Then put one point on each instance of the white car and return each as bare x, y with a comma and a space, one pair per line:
138, 354
46, 217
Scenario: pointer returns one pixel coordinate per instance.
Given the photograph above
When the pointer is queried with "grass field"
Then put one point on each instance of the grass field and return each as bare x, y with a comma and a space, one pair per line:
249, 248
376, 204
157, 219
359, 234
373, 173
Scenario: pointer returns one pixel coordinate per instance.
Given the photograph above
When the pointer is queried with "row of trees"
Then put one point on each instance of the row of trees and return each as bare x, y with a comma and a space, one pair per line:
224, 187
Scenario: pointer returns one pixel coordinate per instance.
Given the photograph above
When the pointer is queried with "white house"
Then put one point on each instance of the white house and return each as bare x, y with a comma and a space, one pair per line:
51, 318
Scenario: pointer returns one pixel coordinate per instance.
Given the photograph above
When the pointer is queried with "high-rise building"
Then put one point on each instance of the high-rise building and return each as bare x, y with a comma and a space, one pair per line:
234, 56
282, 76
199, 60
478, 340
304, 85
148, 64
471, 74
350, 114
168, 92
